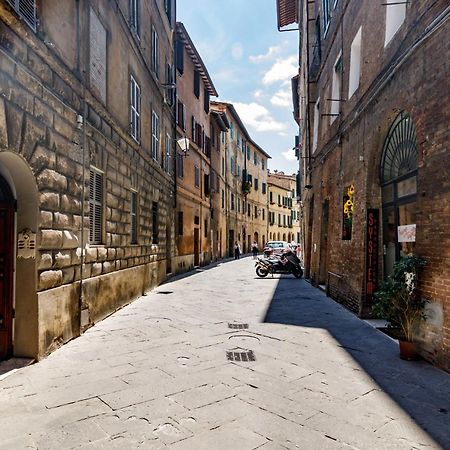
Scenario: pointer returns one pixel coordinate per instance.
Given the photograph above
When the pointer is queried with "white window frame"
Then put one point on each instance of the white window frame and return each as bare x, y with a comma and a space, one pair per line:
155, 136
395, 17
326, 16
135, 109
335, 100
355, 63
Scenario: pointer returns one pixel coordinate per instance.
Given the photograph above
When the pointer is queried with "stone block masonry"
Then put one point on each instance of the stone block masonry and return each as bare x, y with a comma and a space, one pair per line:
41, 102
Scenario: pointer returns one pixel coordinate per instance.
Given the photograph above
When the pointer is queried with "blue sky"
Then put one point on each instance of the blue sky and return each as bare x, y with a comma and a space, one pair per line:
251, 65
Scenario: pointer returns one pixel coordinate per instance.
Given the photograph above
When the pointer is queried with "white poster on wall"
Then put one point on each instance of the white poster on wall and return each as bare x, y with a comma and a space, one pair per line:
407, 233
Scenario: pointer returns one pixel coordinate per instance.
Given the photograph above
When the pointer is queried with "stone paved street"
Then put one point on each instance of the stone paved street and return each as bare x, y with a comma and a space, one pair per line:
155, 375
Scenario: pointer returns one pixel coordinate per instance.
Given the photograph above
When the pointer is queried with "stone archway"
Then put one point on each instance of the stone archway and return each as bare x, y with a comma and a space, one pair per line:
17, 173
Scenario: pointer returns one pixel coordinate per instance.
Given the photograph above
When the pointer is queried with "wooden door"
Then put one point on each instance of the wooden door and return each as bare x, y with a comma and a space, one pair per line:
6, 269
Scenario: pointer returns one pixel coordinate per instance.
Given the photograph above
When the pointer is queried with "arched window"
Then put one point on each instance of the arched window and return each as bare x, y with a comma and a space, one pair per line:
398, 179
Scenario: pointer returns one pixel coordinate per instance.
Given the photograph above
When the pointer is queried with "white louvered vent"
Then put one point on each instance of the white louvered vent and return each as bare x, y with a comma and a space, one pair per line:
26, 9
95, 207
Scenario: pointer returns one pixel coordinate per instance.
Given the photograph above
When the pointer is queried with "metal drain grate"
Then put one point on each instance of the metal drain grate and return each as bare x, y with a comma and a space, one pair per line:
246, 356
164, 292
238, 326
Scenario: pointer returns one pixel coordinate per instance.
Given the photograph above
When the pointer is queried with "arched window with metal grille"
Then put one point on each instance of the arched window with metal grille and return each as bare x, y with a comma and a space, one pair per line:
398, 179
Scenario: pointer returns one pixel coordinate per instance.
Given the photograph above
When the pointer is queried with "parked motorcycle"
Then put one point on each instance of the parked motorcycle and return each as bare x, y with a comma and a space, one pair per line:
285, 263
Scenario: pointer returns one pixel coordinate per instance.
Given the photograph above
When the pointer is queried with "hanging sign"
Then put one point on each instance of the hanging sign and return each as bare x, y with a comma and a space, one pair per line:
372, 233
407, 233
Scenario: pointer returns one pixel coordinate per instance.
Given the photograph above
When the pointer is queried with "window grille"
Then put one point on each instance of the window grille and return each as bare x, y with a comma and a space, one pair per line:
400, 150
26, 10
133, 214
135, 110
155, 136
95, 206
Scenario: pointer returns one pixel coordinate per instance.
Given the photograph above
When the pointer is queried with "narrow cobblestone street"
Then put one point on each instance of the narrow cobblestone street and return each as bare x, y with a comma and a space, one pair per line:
155, 375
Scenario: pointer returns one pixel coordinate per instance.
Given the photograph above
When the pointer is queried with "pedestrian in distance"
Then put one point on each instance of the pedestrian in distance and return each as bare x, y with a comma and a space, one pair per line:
237, 250
255, 249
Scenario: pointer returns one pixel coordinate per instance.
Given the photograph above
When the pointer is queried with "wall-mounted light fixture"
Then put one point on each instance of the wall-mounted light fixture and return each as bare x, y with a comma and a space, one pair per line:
183, 143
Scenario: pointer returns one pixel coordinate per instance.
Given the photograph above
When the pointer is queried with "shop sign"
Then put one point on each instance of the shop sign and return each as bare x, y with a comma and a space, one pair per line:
372, 233
407, 233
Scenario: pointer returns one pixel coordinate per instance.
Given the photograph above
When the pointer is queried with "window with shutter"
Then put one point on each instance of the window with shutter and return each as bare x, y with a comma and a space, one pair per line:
135, 109
179, 56
155, 52
133, 214
194, 129
95, 206
206, 186
168, 162
134, 16
26, 10
180, 166
155, 136
180, 223
197, 83
206, 101
196, 176
170, 93
155, 223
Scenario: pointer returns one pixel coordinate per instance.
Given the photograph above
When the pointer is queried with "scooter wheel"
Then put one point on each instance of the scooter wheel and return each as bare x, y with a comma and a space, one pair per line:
297, 273
261, 272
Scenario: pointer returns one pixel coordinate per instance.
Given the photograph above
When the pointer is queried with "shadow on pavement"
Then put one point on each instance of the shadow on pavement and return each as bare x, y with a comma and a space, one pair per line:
420, 389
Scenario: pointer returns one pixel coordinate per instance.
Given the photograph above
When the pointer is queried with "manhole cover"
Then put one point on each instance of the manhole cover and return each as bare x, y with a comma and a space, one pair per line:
244, 356
164, 292
238, 326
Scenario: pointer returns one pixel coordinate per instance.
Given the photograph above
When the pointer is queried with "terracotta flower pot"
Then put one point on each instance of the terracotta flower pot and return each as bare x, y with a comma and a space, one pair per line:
408, 350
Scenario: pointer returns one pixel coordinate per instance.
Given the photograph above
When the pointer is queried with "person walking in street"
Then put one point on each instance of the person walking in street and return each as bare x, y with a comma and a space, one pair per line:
237, 250
255, 249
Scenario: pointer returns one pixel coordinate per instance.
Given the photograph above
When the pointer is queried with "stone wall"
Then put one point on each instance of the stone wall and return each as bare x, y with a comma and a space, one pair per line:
45, 122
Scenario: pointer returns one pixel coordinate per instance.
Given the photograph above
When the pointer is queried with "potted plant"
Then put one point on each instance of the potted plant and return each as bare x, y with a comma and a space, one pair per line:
398, 301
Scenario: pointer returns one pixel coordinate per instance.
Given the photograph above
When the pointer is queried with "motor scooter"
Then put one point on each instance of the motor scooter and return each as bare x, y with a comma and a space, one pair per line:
285, 263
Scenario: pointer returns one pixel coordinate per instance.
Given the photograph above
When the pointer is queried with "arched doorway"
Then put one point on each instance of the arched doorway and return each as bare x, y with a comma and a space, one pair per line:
22, 184
398, 179
6, 268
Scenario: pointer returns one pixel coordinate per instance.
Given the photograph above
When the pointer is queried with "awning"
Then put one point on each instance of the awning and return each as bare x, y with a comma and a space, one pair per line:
287, 12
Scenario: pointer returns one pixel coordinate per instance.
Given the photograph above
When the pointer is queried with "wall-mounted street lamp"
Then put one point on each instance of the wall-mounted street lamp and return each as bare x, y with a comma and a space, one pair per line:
183, 143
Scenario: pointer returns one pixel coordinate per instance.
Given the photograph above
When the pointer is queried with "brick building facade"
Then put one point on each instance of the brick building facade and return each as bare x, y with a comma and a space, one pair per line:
86, 184
373, 94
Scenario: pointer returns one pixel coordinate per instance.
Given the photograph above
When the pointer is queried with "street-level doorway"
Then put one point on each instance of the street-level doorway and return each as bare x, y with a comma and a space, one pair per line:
398, 179
230, 243
6, 269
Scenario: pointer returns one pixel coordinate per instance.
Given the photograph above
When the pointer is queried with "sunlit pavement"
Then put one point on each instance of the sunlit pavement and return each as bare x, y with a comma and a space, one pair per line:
156, 375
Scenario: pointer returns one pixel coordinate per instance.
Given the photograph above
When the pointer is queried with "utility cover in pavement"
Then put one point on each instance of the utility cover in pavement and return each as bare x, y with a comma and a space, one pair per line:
238, 326
241, 355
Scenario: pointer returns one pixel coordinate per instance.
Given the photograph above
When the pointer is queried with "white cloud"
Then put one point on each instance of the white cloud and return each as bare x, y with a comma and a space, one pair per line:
271, 53
258, 117
258, 94
289, 155
281, 70
281, 98
237, 51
